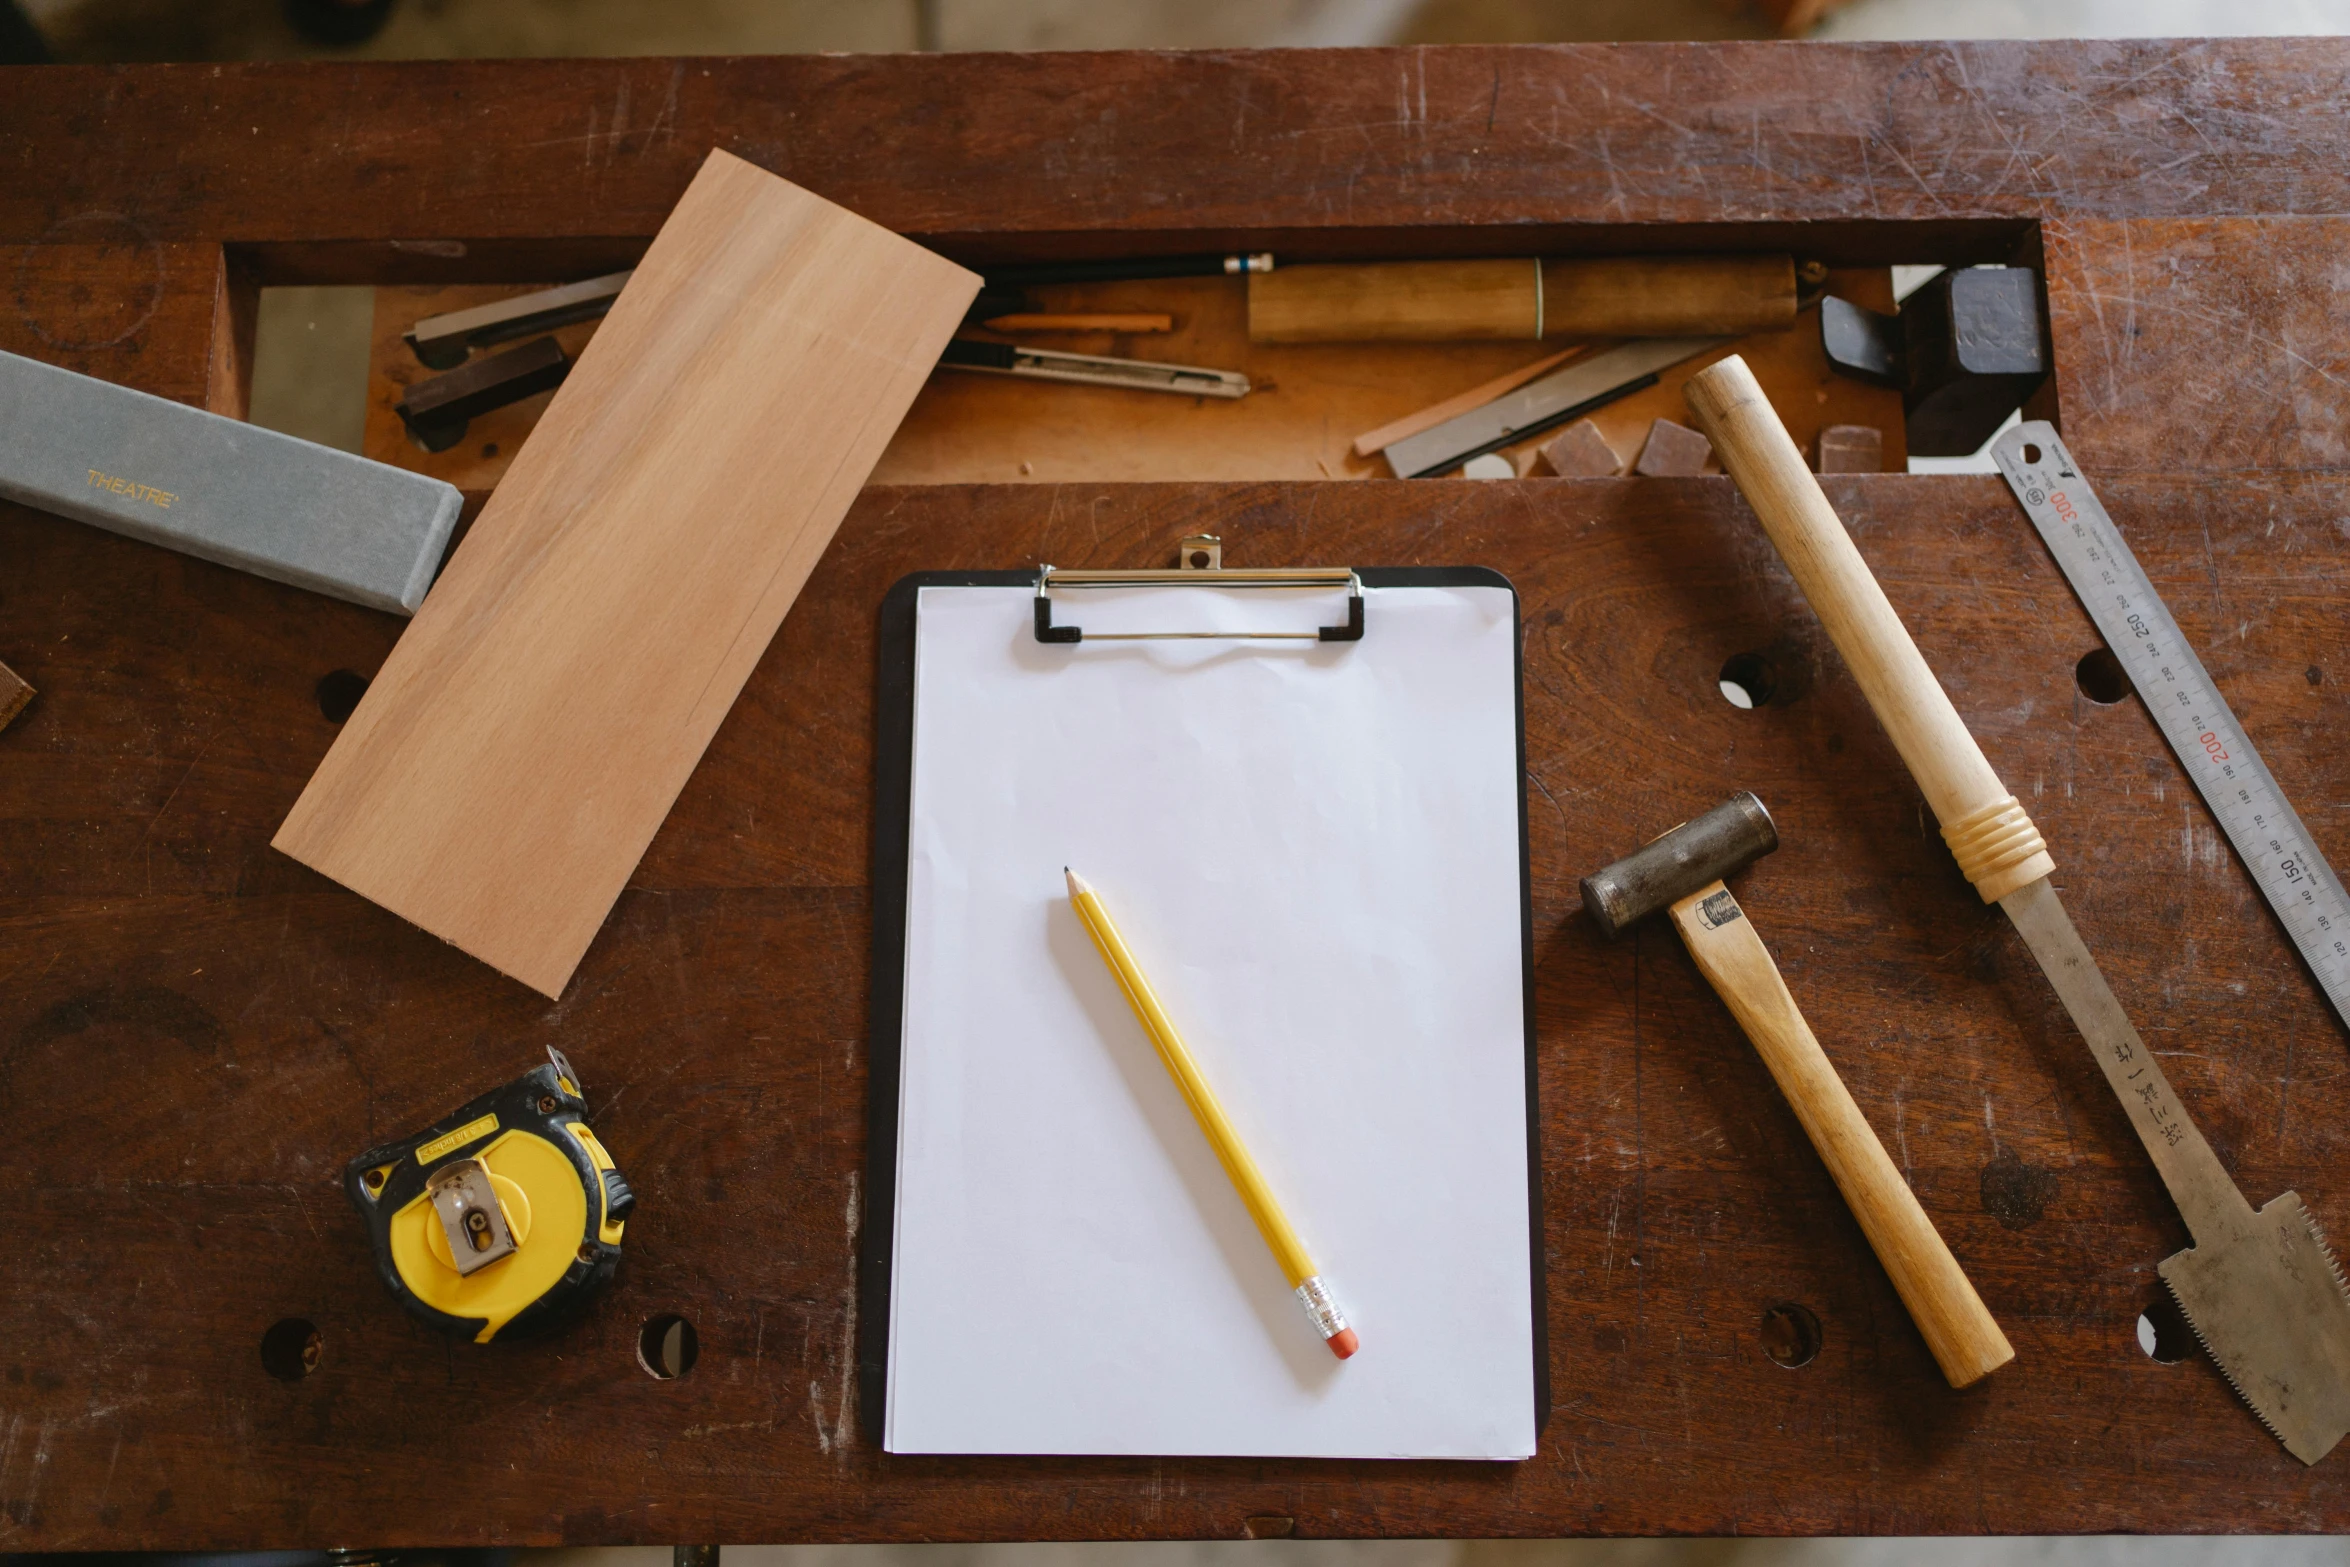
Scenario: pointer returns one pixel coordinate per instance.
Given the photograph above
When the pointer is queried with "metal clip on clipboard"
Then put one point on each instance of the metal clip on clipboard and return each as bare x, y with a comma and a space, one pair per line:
1202, 565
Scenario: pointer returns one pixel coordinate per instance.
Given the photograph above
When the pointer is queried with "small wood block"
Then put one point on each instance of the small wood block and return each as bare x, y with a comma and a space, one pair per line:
1579, 452
14, 694
510, 763
1673, 451
1850, 448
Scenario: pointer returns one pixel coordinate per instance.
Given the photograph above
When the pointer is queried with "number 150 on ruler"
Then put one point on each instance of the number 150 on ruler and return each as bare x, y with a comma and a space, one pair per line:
2235, 783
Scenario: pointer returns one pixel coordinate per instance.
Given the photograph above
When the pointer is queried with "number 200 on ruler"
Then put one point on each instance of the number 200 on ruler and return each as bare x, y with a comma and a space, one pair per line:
2235, 783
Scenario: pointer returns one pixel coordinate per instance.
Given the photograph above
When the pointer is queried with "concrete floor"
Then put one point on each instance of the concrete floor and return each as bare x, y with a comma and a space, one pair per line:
311, 382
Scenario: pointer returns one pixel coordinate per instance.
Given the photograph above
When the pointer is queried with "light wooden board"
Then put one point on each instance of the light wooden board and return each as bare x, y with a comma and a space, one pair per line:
1311, 399
527, 735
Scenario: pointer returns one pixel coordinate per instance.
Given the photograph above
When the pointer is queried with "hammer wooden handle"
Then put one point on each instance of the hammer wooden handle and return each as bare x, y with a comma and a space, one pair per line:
1966, 1342
1995, 842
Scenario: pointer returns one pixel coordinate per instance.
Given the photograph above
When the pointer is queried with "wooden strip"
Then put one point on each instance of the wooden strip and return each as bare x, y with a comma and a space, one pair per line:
14, 694
525, 739
1372, 442
1138, 321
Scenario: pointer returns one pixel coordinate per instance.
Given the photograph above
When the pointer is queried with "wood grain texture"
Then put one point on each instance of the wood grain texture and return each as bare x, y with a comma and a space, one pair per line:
100, 295
195, 1031
1963, 1338
1957, 779
507, 767
1522, 299
175, 991
1498, 300
15, 695
2187, 191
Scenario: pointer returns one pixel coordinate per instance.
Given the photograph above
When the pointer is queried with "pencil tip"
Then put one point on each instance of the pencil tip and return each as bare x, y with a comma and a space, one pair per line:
1076, 882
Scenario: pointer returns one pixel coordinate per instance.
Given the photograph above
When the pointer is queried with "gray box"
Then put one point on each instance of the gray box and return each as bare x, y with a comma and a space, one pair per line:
220, 489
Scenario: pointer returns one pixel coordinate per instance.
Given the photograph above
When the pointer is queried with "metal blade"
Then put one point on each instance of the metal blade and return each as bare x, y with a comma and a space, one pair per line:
1540, 404
2268, 1302
2260, 1289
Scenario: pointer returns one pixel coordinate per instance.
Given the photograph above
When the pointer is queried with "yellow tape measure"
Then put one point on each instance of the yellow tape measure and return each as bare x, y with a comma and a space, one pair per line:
503, 1217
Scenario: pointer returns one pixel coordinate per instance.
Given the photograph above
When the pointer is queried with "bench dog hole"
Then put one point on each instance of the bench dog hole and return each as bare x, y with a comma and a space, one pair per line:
2163, 1332
667, 1346
1748, 680
2101, 678
339, 693
1791, 1334
292, 1348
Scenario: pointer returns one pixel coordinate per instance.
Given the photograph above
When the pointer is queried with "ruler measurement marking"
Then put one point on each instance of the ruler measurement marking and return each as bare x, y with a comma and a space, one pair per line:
2212, 745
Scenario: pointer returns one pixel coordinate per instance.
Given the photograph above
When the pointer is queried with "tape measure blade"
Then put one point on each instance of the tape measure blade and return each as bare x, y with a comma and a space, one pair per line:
2219, 757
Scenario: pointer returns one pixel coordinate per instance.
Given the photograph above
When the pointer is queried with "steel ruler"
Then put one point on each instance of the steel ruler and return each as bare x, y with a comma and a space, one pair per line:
2187, 707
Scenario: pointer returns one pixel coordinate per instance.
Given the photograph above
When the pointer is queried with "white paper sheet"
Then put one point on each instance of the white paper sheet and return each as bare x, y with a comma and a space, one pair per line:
1313, 850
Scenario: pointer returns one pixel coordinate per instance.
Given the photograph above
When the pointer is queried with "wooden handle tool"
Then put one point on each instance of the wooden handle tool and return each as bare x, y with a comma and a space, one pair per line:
1988, 831
1966, 1342
1523, 299
1682, 873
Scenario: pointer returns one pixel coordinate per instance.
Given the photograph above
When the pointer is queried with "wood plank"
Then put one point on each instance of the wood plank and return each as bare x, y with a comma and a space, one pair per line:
169, 985
504, 772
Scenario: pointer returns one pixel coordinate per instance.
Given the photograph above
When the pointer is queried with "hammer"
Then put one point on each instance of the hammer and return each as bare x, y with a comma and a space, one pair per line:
1682, 872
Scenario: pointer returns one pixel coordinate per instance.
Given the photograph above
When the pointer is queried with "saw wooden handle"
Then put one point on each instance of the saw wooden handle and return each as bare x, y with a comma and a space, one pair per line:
1996, 844
1966, 1341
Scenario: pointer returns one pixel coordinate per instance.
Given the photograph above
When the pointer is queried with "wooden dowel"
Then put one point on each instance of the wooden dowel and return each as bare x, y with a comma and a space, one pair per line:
1041, 321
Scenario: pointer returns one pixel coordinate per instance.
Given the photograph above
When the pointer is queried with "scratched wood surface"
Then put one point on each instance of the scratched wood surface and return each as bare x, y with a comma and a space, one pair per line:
2189, 195
196, 1032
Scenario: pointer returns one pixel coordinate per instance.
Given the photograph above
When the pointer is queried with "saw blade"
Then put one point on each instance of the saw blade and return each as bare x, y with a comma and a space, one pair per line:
2269, 1306
2261, 1290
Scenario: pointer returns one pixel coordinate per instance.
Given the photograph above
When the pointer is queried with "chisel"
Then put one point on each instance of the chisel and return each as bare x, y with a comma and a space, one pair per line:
2260, 1288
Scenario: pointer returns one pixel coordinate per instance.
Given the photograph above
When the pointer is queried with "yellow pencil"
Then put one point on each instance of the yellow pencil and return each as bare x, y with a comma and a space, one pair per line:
1313, 1291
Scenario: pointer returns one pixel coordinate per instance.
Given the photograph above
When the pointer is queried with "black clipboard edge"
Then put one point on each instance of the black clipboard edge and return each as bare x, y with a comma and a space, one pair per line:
893, 774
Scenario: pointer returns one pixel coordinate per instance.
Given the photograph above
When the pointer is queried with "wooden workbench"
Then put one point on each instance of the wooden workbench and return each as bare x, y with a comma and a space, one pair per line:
195, 1032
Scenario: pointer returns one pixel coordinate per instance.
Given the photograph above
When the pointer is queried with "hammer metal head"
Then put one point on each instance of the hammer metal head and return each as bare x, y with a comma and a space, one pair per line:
1706, 849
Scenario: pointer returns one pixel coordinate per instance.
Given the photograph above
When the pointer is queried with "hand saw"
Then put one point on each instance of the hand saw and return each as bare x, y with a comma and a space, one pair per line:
2260, 1288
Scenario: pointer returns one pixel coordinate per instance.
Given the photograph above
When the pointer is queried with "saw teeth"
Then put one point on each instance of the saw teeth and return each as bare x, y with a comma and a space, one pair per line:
2237, 1387
2324, 1246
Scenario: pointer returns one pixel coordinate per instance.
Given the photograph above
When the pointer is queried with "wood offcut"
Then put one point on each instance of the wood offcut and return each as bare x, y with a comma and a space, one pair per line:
15, 695
523, 742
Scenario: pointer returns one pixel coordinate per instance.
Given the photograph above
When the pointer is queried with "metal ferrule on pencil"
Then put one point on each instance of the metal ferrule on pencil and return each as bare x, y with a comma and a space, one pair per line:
1321, 1307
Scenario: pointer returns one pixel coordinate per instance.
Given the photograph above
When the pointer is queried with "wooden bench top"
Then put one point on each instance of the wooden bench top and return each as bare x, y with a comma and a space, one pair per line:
196, 1032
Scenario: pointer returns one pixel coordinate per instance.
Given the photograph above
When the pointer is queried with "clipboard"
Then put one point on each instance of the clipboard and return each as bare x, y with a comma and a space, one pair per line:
1046, 633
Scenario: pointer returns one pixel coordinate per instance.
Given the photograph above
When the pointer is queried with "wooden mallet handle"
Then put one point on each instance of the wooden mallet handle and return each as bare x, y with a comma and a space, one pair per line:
1995, 842
1961, 1332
